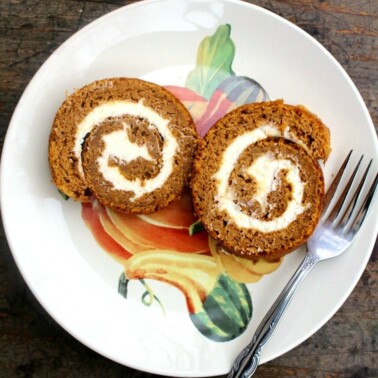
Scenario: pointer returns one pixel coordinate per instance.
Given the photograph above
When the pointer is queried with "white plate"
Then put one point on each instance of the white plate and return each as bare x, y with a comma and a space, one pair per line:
71, 275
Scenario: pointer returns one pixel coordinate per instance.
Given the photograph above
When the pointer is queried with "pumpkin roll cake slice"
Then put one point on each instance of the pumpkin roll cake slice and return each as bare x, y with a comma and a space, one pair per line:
258, 192
127, 142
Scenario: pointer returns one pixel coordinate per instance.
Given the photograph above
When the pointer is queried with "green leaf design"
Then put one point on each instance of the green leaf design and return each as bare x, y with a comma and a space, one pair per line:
123, 283
214, 59
196, 227
64, 195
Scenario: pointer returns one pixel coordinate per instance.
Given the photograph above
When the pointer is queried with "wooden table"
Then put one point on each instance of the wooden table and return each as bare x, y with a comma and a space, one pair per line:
32, 344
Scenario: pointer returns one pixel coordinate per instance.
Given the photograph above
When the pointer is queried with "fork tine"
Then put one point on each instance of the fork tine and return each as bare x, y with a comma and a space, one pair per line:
356, 196
332, 189
339, 204
360, 217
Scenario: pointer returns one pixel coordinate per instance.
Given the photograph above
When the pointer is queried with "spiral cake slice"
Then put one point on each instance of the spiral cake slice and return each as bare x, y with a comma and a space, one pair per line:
257, 186
127, 142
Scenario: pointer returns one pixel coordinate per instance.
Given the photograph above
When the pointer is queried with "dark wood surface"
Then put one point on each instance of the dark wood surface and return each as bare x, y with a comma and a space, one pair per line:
32, 344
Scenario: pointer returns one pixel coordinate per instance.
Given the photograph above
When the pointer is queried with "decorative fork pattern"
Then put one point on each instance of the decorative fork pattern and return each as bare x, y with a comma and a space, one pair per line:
334, 234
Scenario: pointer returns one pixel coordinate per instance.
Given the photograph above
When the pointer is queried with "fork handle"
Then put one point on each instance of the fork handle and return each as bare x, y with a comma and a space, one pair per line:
248, 359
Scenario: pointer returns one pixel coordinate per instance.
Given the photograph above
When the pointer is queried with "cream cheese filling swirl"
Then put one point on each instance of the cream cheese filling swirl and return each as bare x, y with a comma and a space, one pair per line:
118, 146
264, 169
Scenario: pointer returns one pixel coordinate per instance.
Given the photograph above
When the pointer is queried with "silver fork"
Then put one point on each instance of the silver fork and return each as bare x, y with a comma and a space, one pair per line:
333, 235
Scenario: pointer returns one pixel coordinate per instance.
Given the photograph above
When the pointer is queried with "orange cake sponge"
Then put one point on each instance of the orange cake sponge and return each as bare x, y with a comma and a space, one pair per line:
127, 142
256, 184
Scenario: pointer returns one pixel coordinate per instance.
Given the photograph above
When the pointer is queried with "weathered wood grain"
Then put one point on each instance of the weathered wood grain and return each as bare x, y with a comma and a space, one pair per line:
32, 344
